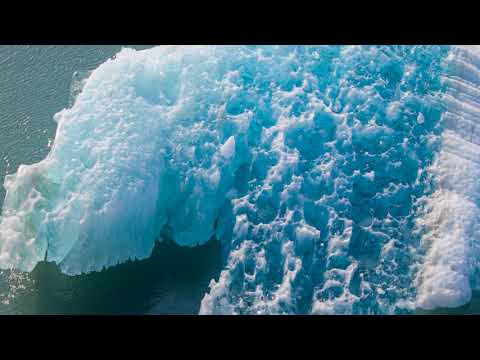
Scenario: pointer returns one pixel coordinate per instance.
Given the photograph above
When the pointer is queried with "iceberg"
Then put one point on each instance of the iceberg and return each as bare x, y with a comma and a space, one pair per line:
335, 177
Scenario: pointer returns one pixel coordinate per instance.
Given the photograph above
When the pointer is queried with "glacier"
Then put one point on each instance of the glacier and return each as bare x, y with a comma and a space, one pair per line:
338, 179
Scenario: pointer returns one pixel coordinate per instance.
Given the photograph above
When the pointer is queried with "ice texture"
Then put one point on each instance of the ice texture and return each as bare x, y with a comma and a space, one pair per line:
330, 174
138, 153
451, 220
327, 222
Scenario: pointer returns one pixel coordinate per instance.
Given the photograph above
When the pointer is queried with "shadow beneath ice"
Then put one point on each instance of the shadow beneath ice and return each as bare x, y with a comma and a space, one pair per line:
172, 281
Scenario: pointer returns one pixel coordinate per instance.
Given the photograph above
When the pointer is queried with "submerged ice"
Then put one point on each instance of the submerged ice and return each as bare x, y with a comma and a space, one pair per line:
325, 171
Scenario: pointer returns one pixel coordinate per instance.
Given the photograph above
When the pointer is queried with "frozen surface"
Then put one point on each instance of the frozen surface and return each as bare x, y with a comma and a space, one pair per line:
327, 224
452, 217
339, 179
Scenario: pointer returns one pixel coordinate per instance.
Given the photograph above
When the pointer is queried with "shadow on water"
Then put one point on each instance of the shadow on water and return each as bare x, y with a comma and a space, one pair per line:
172, 281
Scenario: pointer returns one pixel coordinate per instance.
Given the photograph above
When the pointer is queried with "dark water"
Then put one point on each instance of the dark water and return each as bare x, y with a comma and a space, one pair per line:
35, 83
172, 281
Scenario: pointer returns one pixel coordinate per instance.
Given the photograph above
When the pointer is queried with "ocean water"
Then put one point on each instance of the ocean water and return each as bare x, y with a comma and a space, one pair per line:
240, 179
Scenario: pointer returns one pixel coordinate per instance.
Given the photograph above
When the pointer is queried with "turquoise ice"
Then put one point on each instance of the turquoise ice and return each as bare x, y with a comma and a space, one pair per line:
327, 173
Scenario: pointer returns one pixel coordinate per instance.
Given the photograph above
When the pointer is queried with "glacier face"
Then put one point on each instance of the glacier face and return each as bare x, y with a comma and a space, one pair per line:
317, 167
